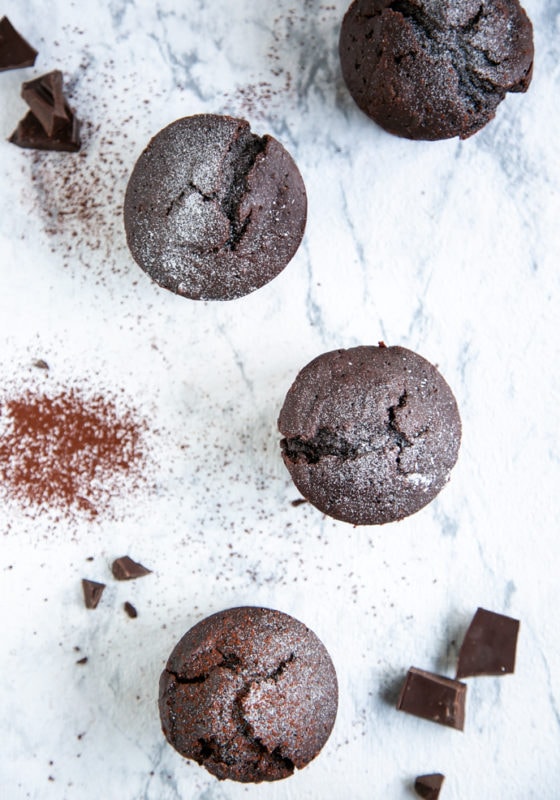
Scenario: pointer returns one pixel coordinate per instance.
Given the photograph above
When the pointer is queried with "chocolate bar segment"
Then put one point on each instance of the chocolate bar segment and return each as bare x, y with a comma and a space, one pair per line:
489, 645
433, 697
92, 592
15, 52
30, 134
125, 569
45, 98
429, 786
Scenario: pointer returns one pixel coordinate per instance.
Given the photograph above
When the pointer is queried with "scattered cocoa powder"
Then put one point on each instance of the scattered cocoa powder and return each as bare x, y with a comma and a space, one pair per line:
68, 452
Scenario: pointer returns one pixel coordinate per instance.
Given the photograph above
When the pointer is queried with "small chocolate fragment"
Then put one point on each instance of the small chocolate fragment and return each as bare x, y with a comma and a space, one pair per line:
429, 786
125, 569
15, 52
433, 697
92, 592
41, 364
130, 610
299, 502
45, 98
31, 135
82, 661
489, 645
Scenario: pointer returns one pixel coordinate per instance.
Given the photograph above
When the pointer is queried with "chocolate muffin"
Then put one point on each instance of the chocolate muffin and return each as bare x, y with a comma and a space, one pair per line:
371, 433
212, 211
434, 69
249, 693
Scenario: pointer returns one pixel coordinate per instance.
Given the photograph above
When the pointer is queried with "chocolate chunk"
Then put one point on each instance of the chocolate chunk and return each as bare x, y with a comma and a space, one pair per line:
433, 697
130, 610
31, 135
489, 645
125, 569
45, 98
429, 786
15, 52
82, 661
92, 592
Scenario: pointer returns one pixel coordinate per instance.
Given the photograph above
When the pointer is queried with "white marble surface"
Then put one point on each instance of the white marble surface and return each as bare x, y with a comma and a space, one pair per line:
451, 249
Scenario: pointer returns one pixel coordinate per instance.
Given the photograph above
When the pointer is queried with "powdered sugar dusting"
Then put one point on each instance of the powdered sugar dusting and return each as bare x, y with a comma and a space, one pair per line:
265, 672
371, 434
212, 211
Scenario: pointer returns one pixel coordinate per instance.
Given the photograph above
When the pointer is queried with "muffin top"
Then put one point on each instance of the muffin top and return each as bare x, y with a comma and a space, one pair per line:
212, 211
370, 433
434, 69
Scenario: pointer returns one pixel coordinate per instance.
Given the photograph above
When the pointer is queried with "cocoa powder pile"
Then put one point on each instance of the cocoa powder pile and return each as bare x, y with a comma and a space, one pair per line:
68, 452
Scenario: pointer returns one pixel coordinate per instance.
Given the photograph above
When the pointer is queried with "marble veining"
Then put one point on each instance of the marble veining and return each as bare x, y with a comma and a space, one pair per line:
449, 248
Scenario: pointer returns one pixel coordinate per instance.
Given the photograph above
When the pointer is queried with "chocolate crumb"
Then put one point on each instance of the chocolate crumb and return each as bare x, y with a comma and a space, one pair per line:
130, 610
82, 661
40, 364
299, 502
92, 592
125, 569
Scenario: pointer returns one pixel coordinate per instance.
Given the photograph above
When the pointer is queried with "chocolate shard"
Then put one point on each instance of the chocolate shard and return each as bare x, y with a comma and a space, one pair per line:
429, 786
92, 592
15, 52
30, 134
433, 697
489, 645
45, 98
125, 569
130, 610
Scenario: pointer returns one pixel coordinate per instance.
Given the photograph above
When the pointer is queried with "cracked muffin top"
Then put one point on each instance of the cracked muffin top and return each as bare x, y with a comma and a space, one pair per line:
249, 693
434, 69
212, 211
370, 433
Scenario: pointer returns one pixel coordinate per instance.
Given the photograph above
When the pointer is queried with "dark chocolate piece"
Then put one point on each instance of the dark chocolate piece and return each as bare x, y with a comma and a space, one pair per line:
433, 697
130, 610
433, 69
125, 569
45, 98
489, 645
249, 693
370, 433
40, 364
212, 211
31, 135
15, 52
82, 661
429, 786
92, 592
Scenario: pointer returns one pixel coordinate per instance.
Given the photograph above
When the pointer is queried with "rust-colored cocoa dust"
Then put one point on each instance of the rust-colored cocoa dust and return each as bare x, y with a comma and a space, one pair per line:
68, 452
